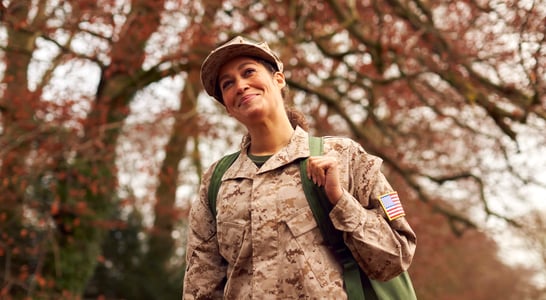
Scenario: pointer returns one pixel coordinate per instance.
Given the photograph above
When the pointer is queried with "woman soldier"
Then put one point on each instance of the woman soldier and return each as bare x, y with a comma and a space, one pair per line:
263, 242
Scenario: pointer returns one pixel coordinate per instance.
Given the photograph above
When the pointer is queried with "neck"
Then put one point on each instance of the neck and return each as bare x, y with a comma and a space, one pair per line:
269, 138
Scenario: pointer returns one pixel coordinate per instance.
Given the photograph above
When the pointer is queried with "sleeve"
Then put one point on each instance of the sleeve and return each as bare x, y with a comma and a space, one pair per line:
382, 248
205, 269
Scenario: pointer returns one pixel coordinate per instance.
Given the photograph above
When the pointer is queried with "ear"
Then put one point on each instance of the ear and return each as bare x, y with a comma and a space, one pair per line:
279, 79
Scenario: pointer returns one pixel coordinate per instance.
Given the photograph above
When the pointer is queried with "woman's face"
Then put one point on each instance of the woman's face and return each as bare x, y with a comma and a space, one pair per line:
249, 90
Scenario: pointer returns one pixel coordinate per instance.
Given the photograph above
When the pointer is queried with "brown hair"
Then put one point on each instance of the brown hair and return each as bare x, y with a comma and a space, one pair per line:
297, 118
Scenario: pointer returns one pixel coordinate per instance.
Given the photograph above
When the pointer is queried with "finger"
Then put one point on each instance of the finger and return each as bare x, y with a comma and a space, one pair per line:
317, 170
318, 176
327, 170
311, 170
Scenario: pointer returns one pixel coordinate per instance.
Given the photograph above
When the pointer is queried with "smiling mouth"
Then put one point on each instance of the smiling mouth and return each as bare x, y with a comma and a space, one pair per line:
246, 99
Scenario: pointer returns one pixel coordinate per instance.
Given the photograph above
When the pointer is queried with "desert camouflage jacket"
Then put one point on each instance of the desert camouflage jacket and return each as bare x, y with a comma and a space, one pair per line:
264, 242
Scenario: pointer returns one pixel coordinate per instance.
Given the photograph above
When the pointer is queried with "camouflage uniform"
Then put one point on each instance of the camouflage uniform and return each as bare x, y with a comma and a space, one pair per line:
265, 243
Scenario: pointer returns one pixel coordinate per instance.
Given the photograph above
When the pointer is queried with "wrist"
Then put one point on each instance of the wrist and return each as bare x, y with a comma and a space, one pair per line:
335, 196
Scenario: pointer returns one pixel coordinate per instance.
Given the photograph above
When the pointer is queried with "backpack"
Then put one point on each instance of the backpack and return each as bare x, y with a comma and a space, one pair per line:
356, 282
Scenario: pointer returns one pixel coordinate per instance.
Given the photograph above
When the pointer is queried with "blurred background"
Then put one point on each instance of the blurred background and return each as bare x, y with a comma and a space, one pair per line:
105, 132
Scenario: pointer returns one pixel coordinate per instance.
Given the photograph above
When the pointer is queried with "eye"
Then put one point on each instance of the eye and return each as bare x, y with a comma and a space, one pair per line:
226, 84
248, 71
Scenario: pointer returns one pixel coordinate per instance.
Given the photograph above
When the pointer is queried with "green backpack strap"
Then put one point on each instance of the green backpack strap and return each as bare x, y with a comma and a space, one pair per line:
216, 179
357, 284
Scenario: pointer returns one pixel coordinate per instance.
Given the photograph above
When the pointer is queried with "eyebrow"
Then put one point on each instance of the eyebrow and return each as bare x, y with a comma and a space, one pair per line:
241, 66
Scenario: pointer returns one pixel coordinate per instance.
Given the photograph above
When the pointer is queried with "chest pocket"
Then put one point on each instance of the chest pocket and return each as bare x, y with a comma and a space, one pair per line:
312, 249
231, 236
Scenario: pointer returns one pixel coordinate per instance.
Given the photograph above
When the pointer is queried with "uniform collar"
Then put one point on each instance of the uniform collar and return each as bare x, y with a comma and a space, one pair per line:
296, 149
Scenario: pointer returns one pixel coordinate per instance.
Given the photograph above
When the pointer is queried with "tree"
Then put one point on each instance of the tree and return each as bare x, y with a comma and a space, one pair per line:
74, 163
460, 267
449, 93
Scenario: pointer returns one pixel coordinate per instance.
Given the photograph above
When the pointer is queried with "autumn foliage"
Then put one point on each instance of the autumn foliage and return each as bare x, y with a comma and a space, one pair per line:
105, 131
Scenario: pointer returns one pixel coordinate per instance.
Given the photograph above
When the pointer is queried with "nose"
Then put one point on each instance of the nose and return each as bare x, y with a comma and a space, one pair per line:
242, 85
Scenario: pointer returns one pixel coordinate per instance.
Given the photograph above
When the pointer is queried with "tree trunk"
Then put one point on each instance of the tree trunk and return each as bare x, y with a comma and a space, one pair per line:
88, 193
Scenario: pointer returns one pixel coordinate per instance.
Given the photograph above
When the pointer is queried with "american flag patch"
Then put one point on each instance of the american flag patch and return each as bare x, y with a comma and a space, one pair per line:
392, 206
